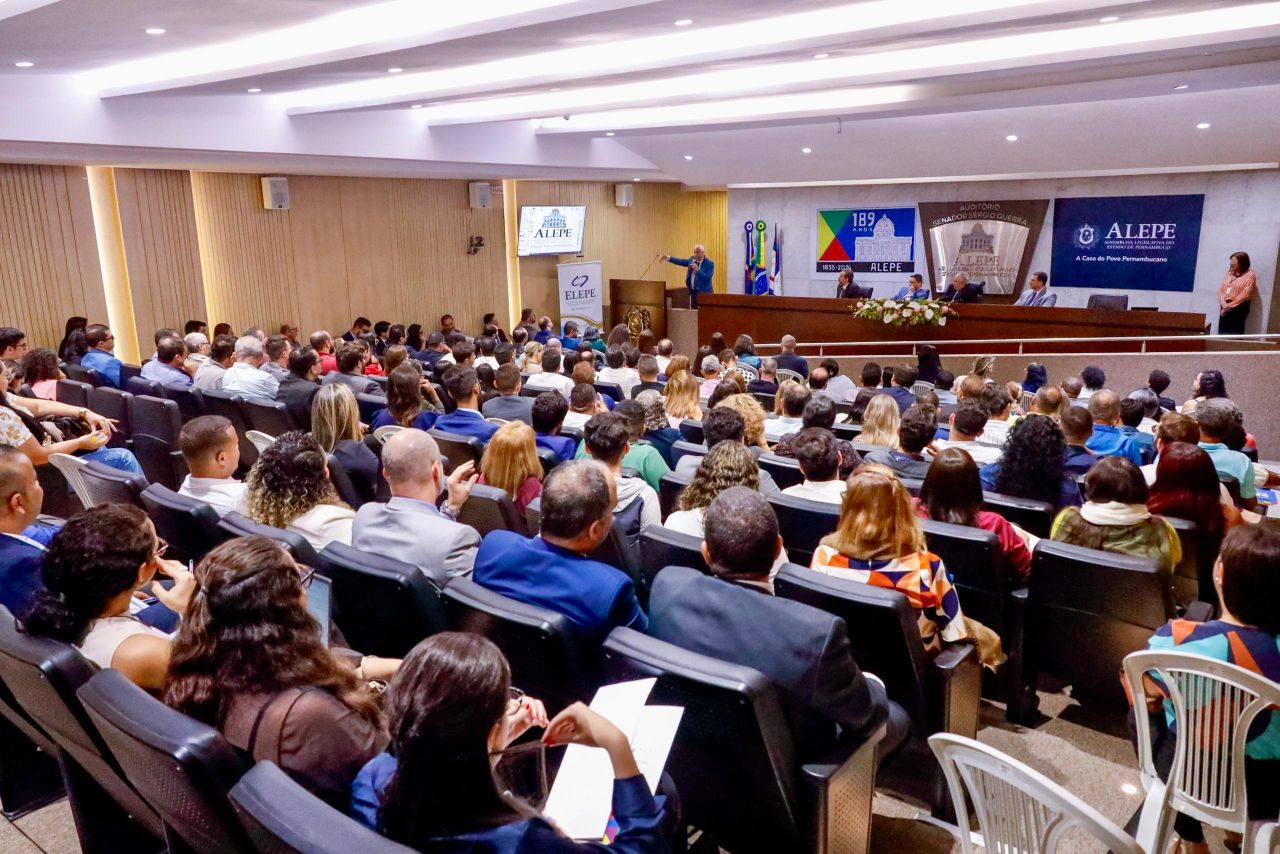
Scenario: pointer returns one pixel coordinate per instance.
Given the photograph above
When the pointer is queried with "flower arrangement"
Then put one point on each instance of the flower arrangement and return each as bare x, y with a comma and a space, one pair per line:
893, 312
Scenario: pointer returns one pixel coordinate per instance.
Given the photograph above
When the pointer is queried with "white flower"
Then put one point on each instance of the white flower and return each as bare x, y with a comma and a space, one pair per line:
890, 317
928, 314
942, 322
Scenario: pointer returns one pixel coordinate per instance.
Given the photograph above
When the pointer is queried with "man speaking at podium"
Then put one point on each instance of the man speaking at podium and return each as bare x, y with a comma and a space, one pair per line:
698, 277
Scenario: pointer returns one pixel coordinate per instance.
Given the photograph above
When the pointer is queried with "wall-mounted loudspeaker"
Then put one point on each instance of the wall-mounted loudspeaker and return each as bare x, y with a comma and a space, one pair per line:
624, 195
275, 193
480, 194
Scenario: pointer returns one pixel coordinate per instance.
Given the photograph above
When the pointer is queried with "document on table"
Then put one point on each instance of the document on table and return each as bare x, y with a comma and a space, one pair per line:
581, 798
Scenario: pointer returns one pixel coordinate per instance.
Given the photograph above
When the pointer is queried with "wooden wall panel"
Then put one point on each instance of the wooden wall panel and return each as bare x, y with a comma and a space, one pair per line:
391, 249
157, 218
48, 255
663, 220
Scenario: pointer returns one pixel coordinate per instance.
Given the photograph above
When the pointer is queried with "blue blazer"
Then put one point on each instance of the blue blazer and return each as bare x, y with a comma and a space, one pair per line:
19, 574
700, 281
596, 597
466, 422
904, 292
562, 446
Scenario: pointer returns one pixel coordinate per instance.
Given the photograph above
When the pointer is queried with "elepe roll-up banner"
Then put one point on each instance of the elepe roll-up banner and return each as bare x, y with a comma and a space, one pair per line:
581, 293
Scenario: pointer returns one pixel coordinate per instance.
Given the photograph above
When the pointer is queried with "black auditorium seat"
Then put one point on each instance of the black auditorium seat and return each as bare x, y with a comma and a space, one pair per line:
188, 525
73, 393
691, 430
114, 404
661, 547
1035, 517
489, 508
228, 406
457, 448
383, 607
156, 424
803, 523
238, 525
785, 471
111, 486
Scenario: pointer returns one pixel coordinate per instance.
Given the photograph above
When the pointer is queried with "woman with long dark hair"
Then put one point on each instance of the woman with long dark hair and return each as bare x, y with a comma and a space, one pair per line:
249, 660
952, 493
405, 406
73, 346
1187, 487
1035, 377
413, 338
1032, 465
928, 363
92, 569
452, 711
1209, 384
744, 349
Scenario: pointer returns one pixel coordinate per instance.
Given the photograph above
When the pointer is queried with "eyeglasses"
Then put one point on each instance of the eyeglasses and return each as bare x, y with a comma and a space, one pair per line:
162, 546
514, 698
306, 578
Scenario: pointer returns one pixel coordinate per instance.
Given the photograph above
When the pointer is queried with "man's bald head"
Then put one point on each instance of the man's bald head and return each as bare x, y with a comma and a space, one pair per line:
409, 456
1072, 386
577, 504
788, 343
741, 534
1104, 406
1048, 401
20, 493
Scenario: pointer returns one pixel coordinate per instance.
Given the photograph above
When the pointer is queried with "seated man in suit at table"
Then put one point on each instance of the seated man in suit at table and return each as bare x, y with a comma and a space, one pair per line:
913, 289
1037, 293
960, 290
847, 289
808, 657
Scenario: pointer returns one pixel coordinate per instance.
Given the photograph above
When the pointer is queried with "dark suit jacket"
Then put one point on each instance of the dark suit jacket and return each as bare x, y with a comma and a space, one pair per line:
509, 408
19, 574
643, 386
805, 652
852, 291
792, 362
902, 396
969, 293
762, 387
296, 394
361, 465
467, 422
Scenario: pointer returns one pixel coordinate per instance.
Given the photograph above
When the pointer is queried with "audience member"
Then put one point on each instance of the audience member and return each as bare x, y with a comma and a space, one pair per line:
1072, 387
766, 381
93, 567
463, 386
246, 377
73, 346
1187, 487
606, 438
1032, 465
1034, 378
1077, 428
211, 450
277, 351
821, 412
549, 411
405, 406
880, 422
21, 428
809, 659
647, 370
553, 570
794, 401
1115, 517
904, 377
40, 371
617, 373
997, 403
298, 390
289, 488
249, 660
879, 542
819, 459
322, 342
709, 368
352, 358
222, 354
744, 350
753, 420
681, 393
942, 388
967, 423
1158, 381
722, 424
168, 366
1173, 427
1107, 439
657, 430
1094, 379
1215, 417
928, 363
509, 405
1132, 414
725, 389
915, 432
788, 360
197, 351
511, 463
335, 424
1050, 402
101, 357
550, 378
359, 327
1208, 386
952, 493
1149, 404
665, 350
24, 539
413, 526
584, 402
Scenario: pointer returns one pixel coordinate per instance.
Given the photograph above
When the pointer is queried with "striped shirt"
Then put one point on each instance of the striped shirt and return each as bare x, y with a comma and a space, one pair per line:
1238, 289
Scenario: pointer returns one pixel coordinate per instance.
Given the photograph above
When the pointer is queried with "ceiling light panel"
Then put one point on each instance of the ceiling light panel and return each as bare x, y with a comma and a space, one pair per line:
676, 47
363, 31
992, 53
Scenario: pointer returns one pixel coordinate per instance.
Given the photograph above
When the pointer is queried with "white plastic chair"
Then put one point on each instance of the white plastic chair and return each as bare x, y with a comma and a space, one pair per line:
749, 373
1268, 839
70, 467
1018, 808
784, 375
260, 440
385, 432
1214, 704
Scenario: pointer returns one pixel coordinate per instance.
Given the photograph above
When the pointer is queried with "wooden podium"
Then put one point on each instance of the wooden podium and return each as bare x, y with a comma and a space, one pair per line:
638, 304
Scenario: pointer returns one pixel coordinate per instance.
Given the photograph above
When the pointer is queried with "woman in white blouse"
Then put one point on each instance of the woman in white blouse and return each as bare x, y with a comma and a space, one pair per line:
289, 488
91, 571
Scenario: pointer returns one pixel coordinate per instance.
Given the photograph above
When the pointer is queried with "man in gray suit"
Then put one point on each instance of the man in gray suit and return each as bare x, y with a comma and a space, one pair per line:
1036, 294
409, 527
508, 405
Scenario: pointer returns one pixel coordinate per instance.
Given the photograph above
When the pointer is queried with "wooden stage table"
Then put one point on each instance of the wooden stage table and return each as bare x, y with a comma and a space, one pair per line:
812, 319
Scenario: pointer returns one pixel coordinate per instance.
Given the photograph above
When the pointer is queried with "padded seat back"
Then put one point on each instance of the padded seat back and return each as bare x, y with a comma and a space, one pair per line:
189, 526
238, 525
489, 508
228, 406
692, 431
733, 760
81, 374
140, 385
369, 405
883, 632
803, 523
43, 676
127, 370
669, 489
784, 470
1088, 610
106, 485
270, 416
1035, 517
190, 401
977, 568
848, 432
682, 449
114, 404
542, 646
1193, 576
182, 767
612, 389
1111, 302
457, 448
73, 392
765, 399
383, 607
57, 494
662, 547
281, 817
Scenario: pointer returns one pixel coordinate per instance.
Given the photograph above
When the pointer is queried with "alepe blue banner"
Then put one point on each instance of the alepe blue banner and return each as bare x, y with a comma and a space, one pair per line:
1132, 242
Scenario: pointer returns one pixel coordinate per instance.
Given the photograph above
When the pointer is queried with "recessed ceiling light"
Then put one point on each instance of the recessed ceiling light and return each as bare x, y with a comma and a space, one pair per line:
24, 63
821, 55
688, 157
154, 31
255, 90
1109, 19
1013, 137
416, 107
1181, 86
610, 133
806, 150
394, 70
684, 22
1203, 126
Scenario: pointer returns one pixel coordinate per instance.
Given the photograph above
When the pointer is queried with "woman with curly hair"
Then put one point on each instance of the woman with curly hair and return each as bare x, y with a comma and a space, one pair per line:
753, 416
1208, 384
880, 422
335, 422
40, 371
249, 661
511, 463
681, 393
405, 406
289, 488
1032, 465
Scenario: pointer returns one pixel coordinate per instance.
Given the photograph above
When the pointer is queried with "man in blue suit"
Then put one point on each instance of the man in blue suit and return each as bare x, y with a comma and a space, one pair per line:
698, 277
914, 289
464, 387
552, 570
22, 541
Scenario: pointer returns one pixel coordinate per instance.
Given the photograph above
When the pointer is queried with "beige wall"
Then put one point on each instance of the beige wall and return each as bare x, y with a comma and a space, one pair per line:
48, 255
663, 220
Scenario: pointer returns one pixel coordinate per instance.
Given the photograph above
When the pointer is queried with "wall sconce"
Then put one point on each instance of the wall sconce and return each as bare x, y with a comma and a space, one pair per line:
477, 243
